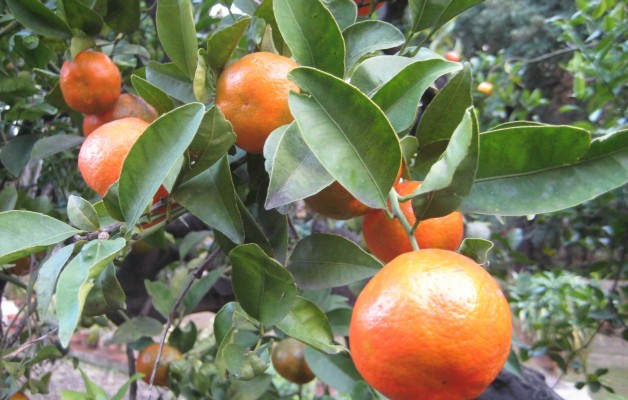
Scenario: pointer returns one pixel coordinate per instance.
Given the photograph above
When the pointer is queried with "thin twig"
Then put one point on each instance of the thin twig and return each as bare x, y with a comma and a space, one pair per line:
198, 273
130, 356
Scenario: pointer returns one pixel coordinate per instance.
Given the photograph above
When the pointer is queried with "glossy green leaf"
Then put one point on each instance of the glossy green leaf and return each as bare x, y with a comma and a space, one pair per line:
211, 197
177, 33
345, 12
340, 319
322, 261
17, 153
312, 34
476, 249
123, 15
40, 19
106, 295
47, 278
82, 17
153, 155
444, 113
152, 94
335, 370
169, 79
77, 279
409, 147
348, 133
82, 214
222, 43
199, 289
602, 168
450, 178
135, 329
162, 297
296, 172
231, 315
525, 149
309, 324
434, 13
252, 232
374, 72
263, 287
245, 364
274, 225
214, 138
111, 201
51, 145
25, 232
367, 37
399, 98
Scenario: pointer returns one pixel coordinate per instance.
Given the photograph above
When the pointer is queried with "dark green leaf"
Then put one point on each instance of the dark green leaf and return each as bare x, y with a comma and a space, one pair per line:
434, 13
252, 232
24, 232
247, 390
169, 79
476, 249
344, 11
367, 37
106, 295
177, 33
312, 34
339, 319
265, 11
161, 296
51, 145
135, 329
16, 87
264, 288
222, 43
323, 261
274, 225
152, 157
296, 172
348, 133
123, 15
82, 17
374, 72
211, 197
82, 214
335, 370
152, 94
307, 323
8, 197
77, 279
47, 278
39, 18
17, 152
199, 289
184, 337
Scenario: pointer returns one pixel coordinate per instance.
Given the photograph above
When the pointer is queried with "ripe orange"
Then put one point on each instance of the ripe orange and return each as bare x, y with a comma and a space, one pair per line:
387, 239
147, 359
252, 93
432, 324
486, 88
364, 10
336, 202
452, 56
289, 361
128, 105
19, 396
91, 83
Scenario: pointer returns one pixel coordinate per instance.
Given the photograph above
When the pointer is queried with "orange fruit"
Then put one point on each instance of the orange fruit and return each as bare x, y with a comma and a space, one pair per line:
387, 239
336, 202
452, 56
289, 361
128, 105
91, 83
147, 359
252, 93
364, 10
19, 396
486, 88
432, 324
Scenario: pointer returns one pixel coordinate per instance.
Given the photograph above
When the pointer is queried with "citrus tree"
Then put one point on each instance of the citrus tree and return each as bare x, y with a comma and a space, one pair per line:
241, 119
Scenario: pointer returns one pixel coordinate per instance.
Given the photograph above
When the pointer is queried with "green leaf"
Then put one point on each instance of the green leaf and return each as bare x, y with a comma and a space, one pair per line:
82, 214
93, 390
345, 12
161, 296
245, 364
434, 13
444, 113
77, 279
214, 138
123, 15
263, 287
450, 179
136, 328
199, 289
374, 72
169, 79
177, 33
295, 172
274, 225
307, 323
340, 319
25, 232
152, 157
16, 87
8, 197
202, 84
211, 197
322, 261
367, 37
476, 249
399, 98
47, 278
17, 153
602, 168
348, 133
51, 145
152, 94
106, 295
335, 370
222, 43
513, 365
81, 17
247, 390
265, 11
312, 34
40, 19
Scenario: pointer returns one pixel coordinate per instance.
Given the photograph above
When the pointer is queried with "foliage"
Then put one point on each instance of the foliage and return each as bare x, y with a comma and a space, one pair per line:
359, 114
